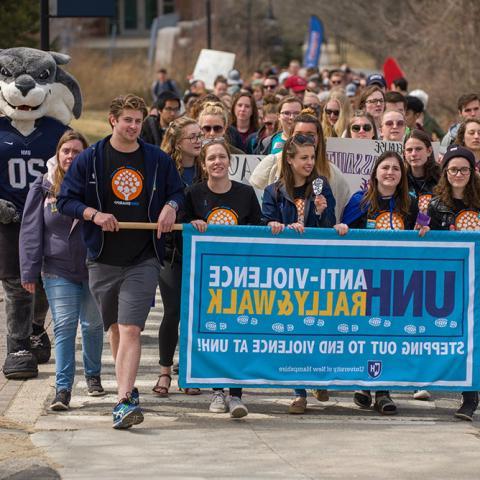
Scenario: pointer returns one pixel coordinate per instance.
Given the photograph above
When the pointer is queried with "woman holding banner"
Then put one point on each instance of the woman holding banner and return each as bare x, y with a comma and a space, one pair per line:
219, 200
300, 198
269, 169
183, 142
456, 206
385, 205
423, 174
52, 244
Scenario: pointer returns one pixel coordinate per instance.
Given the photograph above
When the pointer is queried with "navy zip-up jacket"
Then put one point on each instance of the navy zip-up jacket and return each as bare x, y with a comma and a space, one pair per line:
279, 207
84, 186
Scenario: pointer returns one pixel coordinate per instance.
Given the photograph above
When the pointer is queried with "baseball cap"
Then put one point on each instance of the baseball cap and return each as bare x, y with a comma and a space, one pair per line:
376, 79
296, 83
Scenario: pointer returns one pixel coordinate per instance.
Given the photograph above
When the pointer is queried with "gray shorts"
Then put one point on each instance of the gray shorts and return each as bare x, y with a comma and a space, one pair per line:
124, 295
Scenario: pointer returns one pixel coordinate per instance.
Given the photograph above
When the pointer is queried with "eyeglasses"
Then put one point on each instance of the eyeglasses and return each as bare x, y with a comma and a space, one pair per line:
374, 101
357, 127
270, 87
194, 138
172, 109
332, 112
398, 123
303, 139
214, 128
454, 171
290, 114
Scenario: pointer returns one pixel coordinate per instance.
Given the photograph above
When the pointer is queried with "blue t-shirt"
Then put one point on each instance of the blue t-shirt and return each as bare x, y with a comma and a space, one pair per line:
23, 159
277, 143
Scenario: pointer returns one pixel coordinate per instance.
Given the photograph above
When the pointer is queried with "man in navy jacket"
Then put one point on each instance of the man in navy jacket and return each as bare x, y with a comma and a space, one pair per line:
121, 178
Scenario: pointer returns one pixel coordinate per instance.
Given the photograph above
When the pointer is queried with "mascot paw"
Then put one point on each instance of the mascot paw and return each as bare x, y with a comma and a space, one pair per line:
8, 212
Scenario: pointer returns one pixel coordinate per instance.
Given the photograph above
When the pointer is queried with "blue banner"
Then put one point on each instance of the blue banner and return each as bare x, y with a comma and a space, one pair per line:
371, 309
314, 46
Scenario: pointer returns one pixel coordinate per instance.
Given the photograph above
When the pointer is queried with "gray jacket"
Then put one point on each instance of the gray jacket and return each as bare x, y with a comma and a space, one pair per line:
50, 243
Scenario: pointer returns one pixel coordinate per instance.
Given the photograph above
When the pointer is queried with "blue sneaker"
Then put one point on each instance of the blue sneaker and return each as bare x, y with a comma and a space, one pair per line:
127, 413
135, 396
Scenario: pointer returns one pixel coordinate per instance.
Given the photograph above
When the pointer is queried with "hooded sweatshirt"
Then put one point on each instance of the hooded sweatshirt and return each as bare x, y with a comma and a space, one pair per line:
50, 243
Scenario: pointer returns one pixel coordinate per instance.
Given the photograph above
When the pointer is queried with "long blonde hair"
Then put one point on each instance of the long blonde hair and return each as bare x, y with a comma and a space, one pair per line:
172, 138
58, 172
344, 116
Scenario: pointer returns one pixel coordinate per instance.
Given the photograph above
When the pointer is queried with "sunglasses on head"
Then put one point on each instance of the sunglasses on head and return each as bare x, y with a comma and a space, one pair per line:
209, 141
214, 128
303, 139
332, 112
365, 127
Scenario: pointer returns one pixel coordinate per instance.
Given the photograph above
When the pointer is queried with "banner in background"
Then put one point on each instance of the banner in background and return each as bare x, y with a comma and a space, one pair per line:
314, 45
368, 310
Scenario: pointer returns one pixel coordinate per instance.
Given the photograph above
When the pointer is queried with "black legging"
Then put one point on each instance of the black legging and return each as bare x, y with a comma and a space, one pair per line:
170, 283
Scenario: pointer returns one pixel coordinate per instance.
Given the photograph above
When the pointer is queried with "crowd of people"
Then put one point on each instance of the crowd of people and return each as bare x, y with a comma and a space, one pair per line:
170, 164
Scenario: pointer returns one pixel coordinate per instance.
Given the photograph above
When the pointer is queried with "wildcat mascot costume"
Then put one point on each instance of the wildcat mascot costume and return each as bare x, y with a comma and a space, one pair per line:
37, 100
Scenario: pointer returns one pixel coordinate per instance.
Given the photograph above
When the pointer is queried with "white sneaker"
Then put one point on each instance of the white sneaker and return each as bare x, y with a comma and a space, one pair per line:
421, 395
237, 408
218, 403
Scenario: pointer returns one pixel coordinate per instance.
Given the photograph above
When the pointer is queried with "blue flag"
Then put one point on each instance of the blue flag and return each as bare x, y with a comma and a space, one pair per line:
315, 40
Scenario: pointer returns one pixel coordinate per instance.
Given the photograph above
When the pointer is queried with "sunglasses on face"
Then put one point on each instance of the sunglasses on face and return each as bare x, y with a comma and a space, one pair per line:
365, 127
332, 112
270, 87
391, 123
303, 139
214, 128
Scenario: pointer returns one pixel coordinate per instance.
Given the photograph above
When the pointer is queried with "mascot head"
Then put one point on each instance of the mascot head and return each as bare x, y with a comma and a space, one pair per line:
33, 86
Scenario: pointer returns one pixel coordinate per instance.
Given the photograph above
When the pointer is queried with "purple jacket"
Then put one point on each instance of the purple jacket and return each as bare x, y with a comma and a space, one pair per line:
50, 243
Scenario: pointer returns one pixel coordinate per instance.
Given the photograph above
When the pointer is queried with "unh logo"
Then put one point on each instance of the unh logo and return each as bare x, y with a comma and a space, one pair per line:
374, 368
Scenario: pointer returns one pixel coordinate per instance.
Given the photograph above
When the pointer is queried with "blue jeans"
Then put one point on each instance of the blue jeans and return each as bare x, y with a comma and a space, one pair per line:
69, 303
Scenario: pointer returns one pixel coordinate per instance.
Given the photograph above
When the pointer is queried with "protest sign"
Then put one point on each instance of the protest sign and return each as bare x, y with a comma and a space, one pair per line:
241, 167
211, 63
368, 310
356, 157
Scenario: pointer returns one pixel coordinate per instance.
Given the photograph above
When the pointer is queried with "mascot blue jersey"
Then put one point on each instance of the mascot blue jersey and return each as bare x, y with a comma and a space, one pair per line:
23, 159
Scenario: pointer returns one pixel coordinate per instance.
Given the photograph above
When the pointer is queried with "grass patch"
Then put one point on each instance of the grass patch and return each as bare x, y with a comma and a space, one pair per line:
93, 124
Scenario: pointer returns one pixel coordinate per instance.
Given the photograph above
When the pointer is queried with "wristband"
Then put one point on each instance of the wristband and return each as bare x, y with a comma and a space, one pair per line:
92, 218
423, 219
